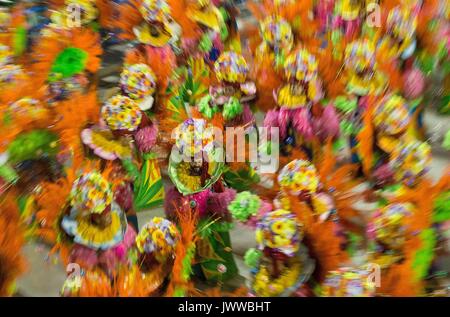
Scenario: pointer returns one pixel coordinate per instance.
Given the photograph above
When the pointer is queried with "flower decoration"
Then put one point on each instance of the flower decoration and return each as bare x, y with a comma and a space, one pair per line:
138, 81
105, 145
348, 282
154, 10
91, 192
157, 31
6, 55
146, 138
121, 113
265, 285
158, 237
360, 63
301, 66
87, 9
231, 67
323, 205
388, 224
391, 115
244, 206
205, 13
252, 257
64, 53
360, 55
293, 96
279, 230
349, 10
277, 33
10, 74
410, 160
402, 25
297, 176
194, 137
31, 108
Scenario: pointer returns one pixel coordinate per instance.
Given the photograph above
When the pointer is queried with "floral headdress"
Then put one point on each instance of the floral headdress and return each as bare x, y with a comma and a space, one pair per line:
231, 67
157, 30
388, 224
277, 33
206, 13
92, 198
86, 9
402, 25
410, 160
138, 81
301, 70
391, 115
298, 176
348, 282
121, 113
281, 231
91, 192
158, 237
360, 63
188, 169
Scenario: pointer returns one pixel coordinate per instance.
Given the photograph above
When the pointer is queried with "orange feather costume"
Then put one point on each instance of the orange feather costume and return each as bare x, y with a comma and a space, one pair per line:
50, 47
12, 262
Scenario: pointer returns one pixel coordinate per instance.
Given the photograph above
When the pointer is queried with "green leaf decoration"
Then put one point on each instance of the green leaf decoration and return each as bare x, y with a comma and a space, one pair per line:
19, 40
242, 179
446, 142
252, 257
244, 205
8, 173
346, 127
148, 189
354, 243
32, 145
205, 43
442, 207
444, 105
131, 168
205, 108
424, 256
339, 145
232, 108
345, 105
224, 33
69, 62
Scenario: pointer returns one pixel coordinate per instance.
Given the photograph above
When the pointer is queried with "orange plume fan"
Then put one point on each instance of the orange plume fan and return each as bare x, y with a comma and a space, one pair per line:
12, 262
366, 139
51, 200
71, 117
51, 46
184, 253
162, 61
320, 237
178, 9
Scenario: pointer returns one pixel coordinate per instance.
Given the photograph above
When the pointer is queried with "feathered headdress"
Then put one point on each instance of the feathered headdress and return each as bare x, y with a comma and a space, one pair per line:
66, 53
